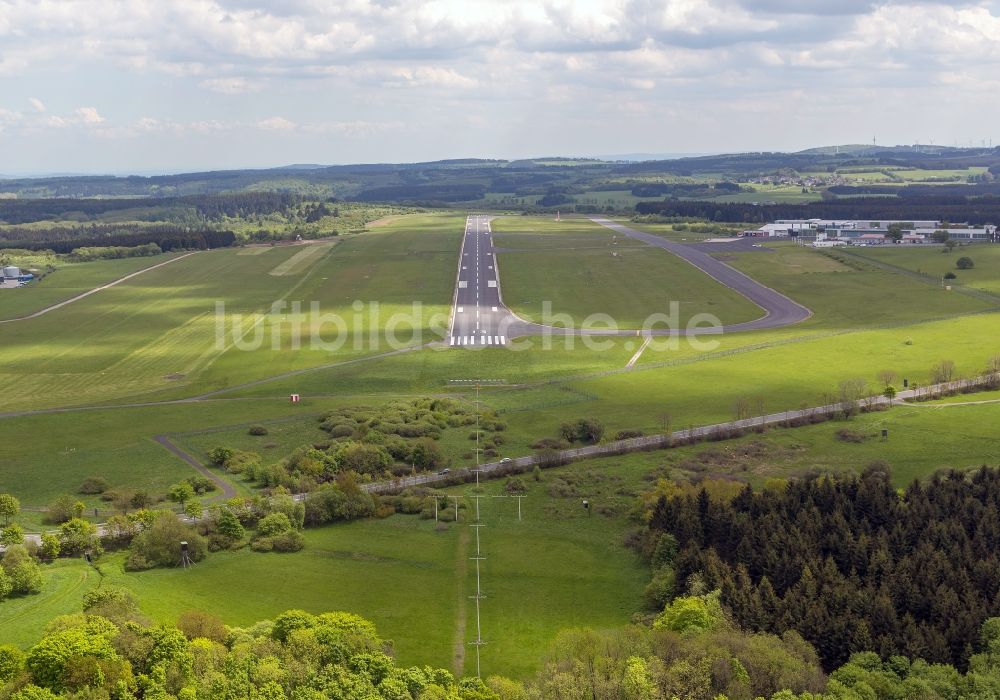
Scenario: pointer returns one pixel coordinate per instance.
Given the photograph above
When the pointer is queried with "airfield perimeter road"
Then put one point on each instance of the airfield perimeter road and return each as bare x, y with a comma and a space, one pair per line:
479, 317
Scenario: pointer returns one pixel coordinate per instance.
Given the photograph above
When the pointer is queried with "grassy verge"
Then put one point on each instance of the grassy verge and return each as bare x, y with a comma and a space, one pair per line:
579, 268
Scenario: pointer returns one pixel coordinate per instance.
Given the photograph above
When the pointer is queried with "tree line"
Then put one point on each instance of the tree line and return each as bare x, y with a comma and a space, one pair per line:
210, 206
978, 211
65, 239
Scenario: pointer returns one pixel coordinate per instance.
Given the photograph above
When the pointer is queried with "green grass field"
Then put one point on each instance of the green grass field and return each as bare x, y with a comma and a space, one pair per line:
557, 567
153, 338
930, 260
69, 280
553, 569
580, 268
851, 295
159, 332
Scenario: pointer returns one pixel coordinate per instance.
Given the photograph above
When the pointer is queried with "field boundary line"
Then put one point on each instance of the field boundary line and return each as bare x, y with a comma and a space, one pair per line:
78, 297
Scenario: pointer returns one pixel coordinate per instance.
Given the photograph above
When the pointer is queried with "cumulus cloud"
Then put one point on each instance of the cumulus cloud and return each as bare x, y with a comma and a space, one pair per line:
88, 116
231, 86
370, 63
276, 124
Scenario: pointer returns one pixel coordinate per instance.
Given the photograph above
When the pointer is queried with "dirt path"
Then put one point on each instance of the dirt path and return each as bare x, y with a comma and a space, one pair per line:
227, 489
462, 595
78, 297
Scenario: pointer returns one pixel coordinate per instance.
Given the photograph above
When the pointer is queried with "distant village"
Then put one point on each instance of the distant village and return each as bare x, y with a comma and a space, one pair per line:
828, 233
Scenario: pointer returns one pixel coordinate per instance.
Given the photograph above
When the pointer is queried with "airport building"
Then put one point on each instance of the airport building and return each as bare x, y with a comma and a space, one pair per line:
872, 232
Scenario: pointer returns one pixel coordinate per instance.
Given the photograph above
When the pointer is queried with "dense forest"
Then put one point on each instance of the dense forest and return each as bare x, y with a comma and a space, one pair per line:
209, 207
65, 239
849, 563
982, 210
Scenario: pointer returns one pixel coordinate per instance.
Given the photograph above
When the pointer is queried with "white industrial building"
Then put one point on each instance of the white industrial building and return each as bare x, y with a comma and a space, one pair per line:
869, 232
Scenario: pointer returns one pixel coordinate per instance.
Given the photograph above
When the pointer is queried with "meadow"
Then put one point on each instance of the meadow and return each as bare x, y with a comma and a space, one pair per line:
559, 566
581, 268
159, 333
556, 567
151, 341
68, 280
932, 261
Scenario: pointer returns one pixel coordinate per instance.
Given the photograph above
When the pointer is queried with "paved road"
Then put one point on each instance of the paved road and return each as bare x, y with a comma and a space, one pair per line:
479, 317
227, 490
618, 446
779, 310
648, 442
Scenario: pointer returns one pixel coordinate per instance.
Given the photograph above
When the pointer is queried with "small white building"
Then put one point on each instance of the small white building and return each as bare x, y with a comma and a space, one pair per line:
11, 272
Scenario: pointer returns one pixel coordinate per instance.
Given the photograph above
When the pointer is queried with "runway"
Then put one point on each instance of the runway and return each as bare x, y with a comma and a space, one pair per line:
479, 318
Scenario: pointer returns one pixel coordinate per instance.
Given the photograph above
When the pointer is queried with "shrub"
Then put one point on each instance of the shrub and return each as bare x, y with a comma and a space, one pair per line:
291, 541
341, 430
229, 525
201, 484
626, 434
6, 586
160, 543
964, 263
63, 508
198, 623
950, 275
257, 430
692, 613
661, 589
515, 485
273, 524
549, 444
93, 485
26, 577
11, 535
11, 661
363, 459
848, 435
77, 536
220, 455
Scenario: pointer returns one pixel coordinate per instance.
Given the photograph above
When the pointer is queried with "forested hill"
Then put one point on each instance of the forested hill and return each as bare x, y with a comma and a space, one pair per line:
463, 180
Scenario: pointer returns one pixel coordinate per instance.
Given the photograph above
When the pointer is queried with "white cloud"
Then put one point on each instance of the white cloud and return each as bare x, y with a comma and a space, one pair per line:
276, 124
231, 86
88, 116
559, 67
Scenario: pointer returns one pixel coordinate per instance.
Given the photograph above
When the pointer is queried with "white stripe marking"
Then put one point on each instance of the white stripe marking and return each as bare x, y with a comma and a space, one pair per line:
451, 340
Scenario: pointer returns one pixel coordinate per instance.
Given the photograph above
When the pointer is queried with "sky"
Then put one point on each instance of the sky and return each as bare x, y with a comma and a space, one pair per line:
123, 86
